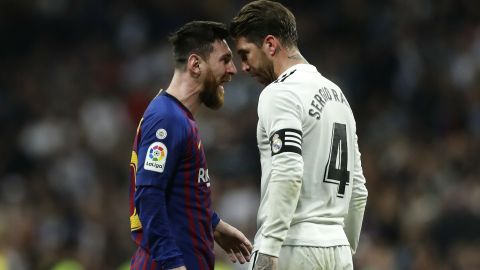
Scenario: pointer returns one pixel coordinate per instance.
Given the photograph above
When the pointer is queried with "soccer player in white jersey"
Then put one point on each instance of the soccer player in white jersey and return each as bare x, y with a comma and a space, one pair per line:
313, 192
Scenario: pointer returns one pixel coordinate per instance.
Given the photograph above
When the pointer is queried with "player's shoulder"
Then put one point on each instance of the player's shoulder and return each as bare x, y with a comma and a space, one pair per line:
164, 109
276, 93
329, 83
295, 77
298, 73
285, 87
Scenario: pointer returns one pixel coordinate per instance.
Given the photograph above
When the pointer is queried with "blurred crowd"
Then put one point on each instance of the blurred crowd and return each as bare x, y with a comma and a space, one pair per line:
75, 77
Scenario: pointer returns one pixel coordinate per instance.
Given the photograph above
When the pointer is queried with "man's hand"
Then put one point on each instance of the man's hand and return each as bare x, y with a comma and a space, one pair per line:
237, 246
266, 262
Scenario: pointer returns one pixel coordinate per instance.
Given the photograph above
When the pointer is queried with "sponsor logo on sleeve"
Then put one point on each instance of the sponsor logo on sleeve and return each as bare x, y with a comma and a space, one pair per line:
203, 177
161, 134
156, 157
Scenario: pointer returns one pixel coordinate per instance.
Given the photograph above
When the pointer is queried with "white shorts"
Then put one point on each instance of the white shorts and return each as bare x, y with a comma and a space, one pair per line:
312, 258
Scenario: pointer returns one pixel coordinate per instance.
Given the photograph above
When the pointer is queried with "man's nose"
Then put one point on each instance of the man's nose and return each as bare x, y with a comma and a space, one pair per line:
232, 69
245, 67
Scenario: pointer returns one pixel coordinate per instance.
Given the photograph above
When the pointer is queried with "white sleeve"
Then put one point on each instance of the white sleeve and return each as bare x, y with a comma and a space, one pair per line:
280, 112
353, 221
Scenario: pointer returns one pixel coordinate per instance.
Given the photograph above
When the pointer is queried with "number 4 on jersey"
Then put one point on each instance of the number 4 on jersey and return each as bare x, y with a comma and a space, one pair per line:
336, 170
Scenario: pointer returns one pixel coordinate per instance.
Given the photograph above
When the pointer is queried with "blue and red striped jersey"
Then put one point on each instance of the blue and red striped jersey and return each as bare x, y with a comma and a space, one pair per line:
171, 215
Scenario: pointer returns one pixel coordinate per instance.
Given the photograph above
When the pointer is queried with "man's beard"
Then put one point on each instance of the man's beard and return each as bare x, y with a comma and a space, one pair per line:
213, 93
265, 73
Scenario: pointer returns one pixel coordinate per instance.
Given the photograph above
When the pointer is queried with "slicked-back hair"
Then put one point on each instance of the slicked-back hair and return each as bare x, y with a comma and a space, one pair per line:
196, 37
260, 18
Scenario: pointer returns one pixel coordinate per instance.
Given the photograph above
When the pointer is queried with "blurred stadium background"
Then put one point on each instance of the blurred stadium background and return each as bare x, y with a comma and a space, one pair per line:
75, 77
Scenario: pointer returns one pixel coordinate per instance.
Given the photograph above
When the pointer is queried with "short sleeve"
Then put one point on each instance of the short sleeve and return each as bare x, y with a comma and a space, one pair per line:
159, 150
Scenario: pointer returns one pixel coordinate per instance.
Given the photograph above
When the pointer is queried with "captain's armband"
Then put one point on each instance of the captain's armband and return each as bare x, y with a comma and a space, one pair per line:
286, 140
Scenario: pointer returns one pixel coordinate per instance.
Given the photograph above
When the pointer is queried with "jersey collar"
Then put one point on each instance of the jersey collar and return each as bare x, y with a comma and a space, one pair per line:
302, 67
185, 109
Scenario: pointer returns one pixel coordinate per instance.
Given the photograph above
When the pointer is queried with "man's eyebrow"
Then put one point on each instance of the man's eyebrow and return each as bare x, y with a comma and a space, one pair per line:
241, 51
227, 55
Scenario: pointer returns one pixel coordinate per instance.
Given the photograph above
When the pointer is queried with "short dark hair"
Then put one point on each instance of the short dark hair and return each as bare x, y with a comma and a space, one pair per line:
260, 18
196, 37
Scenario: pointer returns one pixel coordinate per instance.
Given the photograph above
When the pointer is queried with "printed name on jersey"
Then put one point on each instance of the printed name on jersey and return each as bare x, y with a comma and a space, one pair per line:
323, 96
156, 157
161, 134
286, 140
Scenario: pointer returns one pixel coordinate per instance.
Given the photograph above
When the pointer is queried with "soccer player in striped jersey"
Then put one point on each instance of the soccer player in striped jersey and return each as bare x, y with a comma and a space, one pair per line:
171, 215
313, 192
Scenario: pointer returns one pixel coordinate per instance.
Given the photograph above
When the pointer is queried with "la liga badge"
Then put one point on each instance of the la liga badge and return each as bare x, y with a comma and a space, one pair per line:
156, 157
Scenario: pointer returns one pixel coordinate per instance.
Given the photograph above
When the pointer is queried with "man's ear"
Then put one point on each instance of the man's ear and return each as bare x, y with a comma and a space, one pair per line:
193, 65
271, 45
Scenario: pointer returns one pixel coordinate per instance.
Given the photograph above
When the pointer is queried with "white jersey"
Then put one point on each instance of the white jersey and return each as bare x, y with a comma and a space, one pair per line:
312, 189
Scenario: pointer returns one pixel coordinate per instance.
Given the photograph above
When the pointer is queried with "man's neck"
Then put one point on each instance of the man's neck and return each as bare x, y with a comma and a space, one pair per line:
286, 59
187, 91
